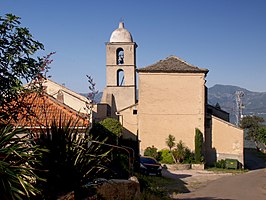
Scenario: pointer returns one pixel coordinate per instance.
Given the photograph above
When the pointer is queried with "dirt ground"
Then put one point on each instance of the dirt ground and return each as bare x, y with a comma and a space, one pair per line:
193, 179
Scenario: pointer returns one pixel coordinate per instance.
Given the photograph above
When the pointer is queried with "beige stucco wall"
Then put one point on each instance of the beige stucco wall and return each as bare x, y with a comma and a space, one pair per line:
72, 99
227, 140
129, 121
170, 103
122, 96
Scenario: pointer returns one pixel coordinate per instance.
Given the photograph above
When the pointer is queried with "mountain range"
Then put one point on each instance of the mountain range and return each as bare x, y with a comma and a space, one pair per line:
254, 103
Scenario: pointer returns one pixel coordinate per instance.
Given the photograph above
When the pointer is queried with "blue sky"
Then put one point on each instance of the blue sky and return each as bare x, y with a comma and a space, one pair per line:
228, 37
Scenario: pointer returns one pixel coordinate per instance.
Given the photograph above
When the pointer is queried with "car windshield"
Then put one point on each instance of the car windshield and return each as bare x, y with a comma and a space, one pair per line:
148, 160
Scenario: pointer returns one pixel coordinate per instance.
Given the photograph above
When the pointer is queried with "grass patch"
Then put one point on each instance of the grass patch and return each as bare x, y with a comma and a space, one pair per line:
161, 188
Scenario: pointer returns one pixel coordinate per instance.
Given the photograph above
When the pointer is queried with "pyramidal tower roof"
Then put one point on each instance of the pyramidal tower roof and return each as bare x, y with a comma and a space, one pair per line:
173, 64
121, 34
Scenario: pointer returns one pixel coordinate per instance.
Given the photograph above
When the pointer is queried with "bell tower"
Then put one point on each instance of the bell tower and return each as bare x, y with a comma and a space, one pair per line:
120, 90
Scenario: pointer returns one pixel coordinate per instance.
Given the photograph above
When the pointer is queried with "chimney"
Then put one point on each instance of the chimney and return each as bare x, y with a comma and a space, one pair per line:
60, 96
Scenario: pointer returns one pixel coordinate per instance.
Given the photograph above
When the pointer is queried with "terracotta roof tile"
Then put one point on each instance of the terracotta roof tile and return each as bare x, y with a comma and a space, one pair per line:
173, 64
43, 109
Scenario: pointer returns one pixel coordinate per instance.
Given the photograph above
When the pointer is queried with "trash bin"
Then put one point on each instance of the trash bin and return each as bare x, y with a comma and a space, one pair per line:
231, 163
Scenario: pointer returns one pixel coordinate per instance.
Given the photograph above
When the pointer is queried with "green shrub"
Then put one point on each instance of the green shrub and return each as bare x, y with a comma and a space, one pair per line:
166, 156
189, 156
220, 164
112, 125
151, 151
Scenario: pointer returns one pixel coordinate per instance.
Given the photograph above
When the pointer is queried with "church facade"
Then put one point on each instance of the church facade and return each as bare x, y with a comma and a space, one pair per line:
172, 99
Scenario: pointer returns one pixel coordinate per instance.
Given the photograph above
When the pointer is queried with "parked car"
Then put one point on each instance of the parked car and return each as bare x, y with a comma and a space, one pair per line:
149, 165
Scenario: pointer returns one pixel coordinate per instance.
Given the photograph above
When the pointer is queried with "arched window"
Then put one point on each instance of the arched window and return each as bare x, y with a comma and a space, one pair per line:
120, 56
120, 77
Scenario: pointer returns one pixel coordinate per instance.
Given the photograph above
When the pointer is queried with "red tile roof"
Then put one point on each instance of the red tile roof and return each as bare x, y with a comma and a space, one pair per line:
42, 110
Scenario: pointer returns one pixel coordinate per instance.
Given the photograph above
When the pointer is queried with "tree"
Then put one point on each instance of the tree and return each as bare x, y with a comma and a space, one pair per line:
17, 62
112, 125
180, 152
198, 146
93, 91
253, 124
262, 135
170, 142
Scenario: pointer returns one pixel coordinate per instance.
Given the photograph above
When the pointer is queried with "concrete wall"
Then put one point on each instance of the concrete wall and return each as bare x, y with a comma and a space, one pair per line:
227, 140
170, 103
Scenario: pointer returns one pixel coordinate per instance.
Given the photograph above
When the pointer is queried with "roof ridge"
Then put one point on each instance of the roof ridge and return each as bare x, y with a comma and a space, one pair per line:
54, 100
181, 60
173, 64
69, 91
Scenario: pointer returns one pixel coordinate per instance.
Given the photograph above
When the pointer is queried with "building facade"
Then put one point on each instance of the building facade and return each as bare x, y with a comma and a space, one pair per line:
172, 99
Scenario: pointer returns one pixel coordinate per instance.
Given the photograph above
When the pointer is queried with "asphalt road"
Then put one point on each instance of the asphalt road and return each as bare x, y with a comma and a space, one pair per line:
247, 186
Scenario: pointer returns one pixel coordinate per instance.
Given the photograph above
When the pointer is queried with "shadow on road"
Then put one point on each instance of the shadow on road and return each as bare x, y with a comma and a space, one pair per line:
178, 185
168, 174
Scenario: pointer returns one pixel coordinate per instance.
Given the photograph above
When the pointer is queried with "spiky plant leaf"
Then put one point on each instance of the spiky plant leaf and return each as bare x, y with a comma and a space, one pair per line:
19, 157
70, 162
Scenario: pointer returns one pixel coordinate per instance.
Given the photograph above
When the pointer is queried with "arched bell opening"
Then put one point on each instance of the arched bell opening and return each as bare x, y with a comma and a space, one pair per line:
120, 77
120, 56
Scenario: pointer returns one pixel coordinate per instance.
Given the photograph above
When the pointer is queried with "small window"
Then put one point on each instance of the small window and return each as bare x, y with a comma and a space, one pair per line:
120, 56
135, 112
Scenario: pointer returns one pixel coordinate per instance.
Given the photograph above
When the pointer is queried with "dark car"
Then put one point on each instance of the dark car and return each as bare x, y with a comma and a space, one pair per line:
149, 165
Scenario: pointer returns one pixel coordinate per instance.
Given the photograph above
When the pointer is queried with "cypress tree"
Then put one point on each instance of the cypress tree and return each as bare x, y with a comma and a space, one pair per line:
198, 146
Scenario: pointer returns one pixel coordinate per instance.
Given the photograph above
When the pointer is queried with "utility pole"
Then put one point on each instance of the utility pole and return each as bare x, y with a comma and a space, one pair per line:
239, 106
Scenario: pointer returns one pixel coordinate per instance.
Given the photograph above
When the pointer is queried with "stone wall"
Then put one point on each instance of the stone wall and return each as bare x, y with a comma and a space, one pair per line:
114, 189
118, 190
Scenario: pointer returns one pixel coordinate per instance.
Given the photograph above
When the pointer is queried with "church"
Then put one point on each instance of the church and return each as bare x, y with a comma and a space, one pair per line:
171, 98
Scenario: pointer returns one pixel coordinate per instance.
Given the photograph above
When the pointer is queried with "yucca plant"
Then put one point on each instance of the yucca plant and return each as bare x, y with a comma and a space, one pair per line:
170, 142
180, 152
19, 157
72, 161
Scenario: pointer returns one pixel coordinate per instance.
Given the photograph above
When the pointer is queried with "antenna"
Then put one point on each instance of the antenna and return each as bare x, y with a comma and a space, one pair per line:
239, 106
